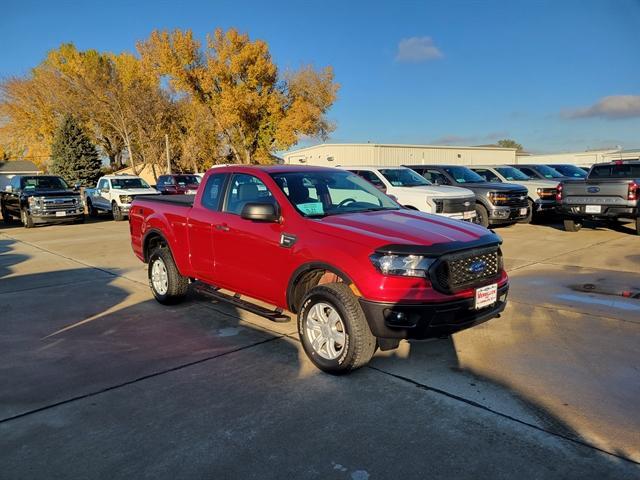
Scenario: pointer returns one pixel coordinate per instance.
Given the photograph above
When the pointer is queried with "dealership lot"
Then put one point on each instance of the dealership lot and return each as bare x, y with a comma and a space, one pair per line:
104, 382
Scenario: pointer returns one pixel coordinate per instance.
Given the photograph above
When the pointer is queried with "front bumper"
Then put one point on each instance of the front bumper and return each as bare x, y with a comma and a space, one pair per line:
545, 206
507, 214
49, 217
466, 216
426, 320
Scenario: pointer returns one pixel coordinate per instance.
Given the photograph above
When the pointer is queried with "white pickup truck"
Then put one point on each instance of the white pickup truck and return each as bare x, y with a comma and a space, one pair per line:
413, 191
114, 194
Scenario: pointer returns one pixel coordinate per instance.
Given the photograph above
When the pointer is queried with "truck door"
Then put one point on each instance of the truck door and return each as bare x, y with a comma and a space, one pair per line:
100, 196
12, 200
202, 217
249, 257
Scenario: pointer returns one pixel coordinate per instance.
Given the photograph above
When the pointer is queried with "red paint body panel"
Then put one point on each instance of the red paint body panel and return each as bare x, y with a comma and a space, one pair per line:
228, 251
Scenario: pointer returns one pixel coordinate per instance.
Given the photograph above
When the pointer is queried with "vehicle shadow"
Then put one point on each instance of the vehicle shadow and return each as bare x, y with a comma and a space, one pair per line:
8, 259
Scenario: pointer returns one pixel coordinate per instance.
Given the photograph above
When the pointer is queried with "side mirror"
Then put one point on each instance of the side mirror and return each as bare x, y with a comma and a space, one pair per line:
260, 212
8, 189
77, 186
104, 190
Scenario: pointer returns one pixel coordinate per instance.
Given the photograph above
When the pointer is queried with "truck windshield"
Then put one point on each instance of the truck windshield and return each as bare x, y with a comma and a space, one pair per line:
464, 175
570, 171
126, 183
44, 183
404, 177
512, 174
187, 180
548, 172
316, 194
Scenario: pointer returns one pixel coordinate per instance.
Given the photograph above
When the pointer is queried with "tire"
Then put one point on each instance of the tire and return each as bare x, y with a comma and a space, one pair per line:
27, 219
91, 210
6, 218
350, 344
168, 286
117, 212
529, 217
638, 226
571, 225
482, 215
79, 220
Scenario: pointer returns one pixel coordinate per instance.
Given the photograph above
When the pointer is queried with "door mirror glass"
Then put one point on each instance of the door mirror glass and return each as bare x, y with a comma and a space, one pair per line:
259, 212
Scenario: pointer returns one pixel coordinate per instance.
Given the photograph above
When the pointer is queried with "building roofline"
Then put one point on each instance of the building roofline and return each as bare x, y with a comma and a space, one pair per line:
402, 145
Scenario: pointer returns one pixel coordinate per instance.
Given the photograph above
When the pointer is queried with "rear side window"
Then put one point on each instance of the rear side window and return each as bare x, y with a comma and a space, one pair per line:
625, 170
212, 193
245, 189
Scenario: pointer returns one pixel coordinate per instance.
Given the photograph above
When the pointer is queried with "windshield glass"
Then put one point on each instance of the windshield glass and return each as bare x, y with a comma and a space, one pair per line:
548, 172
44, 183
512, 174
187, 180
321, 193
404, 177
126, 183
570, 171
464, 175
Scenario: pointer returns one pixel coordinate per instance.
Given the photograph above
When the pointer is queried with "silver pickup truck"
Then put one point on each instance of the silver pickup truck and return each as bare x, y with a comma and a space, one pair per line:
610, 193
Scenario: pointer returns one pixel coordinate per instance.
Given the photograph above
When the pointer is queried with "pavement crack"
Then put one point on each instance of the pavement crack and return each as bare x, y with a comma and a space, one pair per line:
490, 410
136, 380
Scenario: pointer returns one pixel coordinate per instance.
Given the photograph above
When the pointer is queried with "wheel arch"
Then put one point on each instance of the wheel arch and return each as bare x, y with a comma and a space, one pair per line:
151, 240
307, 276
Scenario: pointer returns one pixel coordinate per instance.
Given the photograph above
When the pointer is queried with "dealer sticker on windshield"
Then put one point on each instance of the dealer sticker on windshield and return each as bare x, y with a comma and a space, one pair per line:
486, 296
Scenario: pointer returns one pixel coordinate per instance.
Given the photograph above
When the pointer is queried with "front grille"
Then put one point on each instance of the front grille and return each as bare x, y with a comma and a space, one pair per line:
455, 205
467, 269
54, 204
511, 199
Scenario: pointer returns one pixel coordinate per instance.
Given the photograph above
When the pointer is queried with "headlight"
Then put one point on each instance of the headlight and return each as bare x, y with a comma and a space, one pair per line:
546, 192
403, 265
126, 198
35, 202
497, 197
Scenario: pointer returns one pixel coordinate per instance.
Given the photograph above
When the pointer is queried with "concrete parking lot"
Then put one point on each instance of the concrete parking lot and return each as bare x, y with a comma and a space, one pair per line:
100, 381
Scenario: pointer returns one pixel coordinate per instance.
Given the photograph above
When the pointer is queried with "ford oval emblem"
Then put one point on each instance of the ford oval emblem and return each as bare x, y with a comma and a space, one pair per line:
477, 267
593, 189
466, 204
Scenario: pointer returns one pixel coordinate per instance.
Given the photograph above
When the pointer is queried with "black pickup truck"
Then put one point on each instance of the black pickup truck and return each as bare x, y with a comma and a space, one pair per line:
610, 193
496, 203
40, 199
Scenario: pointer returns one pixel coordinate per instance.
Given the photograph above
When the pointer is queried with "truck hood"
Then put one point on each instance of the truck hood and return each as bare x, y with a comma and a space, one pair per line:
500, 187
434, 191
136, 191
50, 193
399, 227
538, 183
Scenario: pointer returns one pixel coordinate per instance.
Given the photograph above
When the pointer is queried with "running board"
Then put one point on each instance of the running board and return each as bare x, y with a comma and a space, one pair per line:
276, 315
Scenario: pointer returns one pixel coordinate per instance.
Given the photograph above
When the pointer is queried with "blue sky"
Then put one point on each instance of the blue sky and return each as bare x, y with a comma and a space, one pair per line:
553, 75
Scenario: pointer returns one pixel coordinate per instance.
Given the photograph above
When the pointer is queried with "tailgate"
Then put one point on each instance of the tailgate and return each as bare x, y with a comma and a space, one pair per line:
600, 192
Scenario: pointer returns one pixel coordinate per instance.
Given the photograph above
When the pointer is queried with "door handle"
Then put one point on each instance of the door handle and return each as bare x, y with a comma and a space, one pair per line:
222, 227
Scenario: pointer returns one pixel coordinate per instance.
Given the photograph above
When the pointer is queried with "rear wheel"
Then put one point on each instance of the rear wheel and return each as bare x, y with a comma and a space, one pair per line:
117, 212
333, 329
638, 226
571, 225
166, 283
482, 215
93, 211
27, 219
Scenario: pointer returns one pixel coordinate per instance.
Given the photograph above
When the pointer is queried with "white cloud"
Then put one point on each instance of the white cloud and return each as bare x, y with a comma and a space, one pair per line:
417, 49
611, 107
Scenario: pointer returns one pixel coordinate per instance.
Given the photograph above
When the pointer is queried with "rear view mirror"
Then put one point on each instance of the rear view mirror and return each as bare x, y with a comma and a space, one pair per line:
260, 212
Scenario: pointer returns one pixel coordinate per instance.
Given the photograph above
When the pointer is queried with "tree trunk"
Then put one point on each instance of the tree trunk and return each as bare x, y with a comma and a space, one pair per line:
131, 159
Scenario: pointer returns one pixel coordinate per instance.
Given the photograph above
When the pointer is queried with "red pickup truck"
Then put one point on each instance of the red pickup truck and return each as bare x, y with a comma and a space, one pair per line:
360, 271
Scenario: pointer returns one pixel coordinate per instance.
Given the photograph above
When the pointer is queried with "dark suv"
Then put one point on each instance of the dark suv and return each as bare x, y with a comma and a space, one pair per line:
496, 203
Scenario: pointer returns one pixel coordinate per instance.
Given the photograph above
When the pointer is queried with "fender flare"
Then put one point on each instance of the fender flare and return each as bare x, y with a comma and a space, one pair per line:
304, 268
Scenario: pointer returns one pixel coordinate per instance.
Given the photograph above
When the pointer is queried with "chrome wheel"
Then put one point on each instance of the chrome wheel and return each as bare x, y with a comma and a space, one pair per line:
325, 331
160, 277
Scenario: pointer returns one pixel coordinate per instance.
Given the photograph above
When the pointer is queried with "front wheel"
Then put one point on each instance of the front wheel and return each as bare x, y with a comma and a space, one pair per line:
482, 215
27, 219
117, 212
571, 225
638, 226
91, 210
166, 283
333, 329
5, 215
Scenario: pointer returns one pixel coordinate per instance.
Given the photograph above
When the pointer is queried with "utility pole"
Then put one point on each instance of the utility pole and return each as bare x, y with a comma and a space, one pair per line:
166, 144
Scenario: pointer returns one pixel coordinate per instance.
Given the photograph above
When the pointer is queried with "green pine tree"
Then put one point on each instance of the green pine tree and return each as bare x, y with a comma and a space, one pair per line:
73, 156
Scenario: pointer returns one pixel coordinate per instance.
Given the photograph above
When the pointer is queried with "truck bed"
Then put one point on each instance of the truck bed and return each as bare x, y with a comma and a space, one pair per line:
181, 200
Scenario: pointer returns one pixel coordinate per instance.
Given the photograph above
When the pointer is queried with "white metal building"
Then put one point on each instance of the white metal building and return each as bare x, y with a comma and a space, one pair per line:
584, 159
340, 154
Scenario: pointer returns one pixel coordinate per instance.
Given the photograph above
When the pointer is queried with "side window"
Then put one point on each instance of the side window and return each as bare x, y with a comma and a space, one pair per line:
161, 180
103, 184
436, 177
372, 177
245, 189
212, 193
528, 171
15, 183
